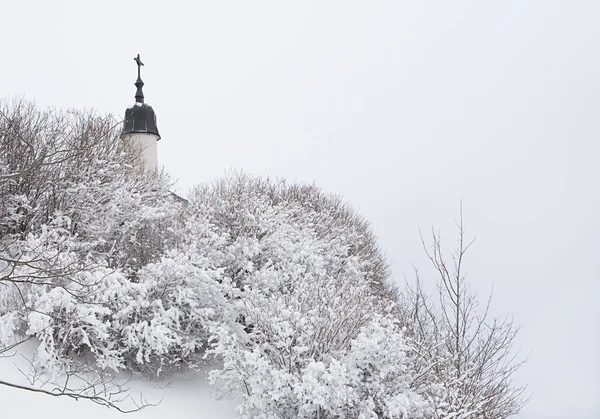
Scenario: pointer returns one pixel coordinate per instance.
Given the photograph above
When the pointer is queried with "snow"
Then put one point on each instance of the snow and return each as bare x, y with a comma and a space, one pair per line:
182, 396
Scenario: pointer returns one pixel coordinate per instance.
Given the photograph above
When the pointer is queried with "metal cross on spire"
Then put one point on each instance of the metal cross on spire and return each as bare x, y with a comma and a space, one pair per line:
139, 95
139, 64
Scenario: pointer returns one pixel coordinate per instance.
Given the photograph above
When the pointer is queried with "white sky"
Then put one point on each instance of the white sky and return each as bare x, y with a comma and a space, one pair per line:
402, 107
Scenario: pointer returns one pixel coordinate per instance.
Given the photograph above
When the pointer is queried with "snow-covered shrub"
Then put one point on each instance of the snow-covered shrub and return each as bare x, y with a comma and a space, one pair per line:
368, 379
167, 322
162, 320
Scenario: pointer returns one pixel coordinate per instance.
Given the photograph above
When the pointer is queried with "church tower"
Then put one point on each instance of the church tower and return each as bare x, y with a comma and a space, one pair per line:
139, 127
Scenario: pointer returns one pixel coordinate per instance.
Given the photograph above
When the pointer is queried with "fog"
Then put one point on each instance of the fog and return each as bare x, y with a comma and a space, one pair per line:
404, 108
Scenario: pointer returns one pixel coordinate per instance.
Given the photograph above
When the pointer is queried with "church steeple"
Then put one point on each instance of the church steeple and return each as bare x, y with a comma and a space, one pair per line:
141, 117
139, 126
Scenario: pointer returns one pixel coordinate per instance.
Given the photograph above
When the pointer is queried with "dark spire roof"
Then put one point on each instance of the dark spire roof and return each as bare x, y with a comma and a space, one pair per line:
140, 118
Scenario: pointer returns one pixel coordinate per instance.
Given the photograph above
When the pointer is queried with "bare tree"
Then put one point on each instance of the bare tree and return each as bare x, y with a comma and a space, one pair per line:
466, 358
81, 382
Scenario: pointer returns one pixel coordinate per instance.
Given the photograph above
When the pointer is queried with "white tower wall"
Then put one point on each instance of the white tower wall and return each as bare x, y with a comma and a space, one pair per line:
147, 143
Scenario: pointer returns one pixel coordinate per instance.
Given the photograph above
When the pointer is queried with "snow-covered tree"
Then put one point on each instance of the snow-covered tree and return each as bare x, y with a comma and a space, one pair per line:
92, 253
309, 290
241, 205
